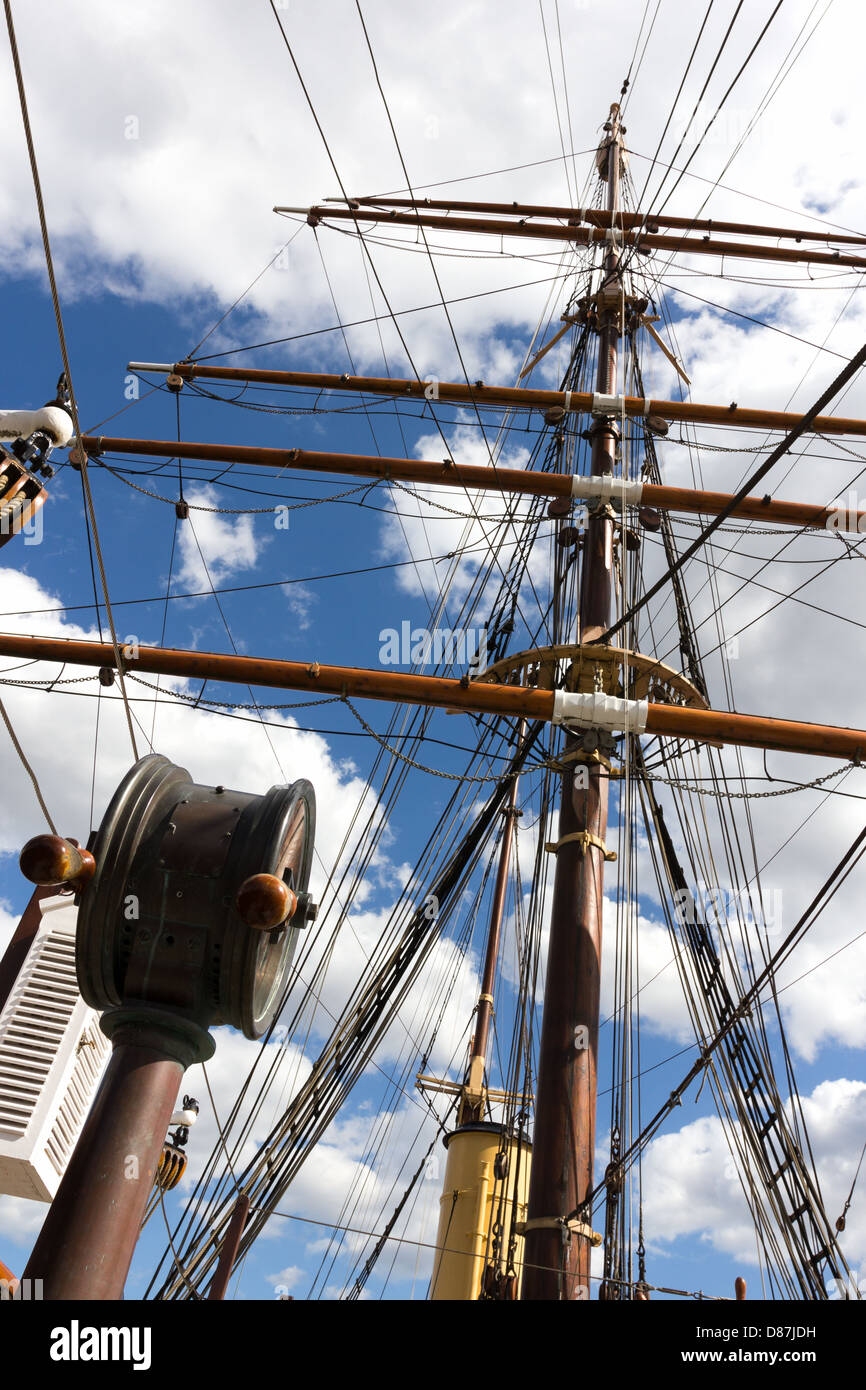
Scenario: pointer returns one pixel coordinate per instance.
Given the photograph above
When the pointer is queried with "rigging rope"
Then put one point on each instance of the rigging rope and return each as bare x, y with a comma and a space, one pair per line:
27, 768
55, 299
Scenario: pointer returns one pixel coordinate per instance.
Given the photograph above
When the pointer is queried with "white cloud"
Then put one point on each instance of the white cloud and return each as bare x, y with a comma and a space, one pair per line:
182, 209
286, 1279
20, 1222
691, 1187
213, 548
424, 532
299, 600
8, 923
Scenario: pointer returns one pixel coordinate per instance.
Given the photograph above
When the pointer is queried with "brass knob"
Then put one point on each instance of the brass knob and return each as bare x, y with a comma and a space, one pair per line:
50, 861
265, 901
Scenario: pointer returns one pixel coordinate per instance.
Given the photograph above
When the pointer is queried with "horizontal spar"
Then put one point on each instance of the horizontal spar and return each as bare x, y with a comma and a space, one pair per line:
582, 236
601, 217
574, 710
522, 397
481, 477
448, 474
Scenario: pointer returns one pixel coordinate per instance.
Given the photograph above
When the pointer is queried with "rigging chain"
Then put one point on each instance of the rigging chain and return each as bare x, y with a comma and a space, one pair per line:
748, 796
235, 511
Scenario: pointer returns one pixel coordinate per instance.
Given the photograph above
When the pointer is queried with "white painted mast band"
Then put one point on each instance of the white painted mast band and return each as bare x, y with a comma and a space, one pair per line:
599, 711
608, 488
615, 405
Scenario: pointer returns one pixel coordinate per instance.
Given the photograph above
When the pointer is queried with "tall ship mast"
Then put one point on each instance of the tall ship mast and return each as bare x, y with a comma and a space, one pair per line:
476, 968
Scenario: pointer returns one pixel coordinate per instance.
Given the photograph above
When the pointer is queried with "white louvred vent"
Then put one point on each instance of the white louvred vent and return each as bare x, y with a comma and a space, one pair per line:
52, 1056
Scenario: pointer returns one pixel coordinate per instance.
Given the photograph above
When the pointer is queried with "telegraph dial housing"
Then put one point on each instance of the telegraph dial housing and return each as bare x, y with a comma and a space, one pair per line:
159, 930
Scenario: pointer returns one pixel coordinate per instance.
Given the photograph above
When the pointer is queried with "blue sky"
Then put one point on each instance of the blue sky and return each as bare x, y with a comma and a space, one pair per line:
154, 239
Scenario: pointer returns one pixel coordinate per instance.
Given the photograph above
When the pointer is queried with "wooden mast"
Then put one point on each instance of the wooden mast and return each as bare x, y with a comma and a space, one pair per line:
557, 1253
472, 1105
487, 1171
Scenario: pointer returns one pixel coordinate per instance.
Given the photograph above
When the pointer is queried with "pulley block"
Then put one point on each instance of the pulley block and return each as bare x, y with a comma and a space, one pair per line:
21, 497
171, 1167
